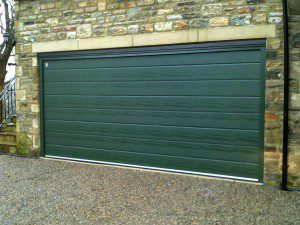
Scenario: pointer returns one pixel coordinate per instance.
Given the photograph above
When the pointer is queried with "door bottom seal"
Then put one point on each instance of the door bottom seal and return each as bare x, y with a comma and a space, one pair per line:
155, 168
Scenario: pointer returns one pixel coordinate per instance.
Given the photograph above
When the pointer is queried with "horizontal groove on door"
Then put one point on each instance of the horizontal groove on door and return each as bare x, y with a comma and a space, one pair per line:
82, 123
155, 154
216, 104
160, 88
216, 136
162, 73
154, 96
192, 119
175, 148
161, 60
139, 139
235, 169
142, 110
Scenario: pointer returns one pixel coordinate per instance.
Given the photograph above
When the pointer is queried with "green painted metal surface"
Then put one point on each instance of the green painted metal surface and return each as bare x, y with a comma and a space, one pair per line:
187, 109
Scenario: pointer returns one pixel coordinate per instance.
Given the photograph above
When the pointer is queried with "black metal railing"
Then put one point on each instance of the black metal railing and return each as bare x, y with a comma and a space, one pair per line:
8, 101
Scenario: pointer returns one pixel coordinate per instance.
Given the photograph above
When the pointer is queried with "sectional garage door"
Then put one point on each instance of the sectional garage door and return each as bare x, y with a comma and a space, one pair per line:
190, 108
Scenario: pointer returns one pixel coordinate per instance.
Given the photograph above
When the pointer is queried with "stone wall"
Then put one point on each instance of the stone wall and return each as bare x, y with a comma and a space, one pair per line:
44, 21
294, 107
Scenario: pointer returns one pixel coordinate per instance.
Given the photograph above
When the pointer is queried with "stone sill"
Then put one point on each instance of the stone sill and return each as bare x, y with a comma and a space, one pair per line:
174, 37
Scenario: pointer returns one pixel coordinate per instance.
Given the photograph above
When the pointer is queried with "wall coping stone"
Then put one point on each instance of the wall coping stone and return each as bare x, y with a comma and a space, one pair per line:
161, 38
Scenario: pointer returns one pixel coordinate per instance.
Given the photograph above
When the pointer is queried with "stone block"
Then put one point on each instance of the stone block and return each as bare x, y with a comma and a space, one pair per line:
209, 10
105, 42
270, 117
180, 25
218, 21
52, 22
35, 108
35, 123
236, 33
145, 2
46, 6
163, 26
295, 101
20, 95
260, 18
119, 30
239, 20
165, 38
198, 23
65, 45
84, 31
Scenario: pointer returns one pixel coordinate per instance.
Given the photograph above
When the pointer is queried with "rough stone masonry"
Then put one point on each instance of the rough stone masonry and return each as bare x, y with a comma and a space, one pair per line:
294, 107
39, 21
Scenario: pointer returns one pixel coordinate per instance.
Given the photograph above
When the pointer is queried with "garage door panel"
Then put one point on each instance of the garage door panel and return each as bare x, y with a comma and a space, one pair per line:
183, 163
244, 71
246, 154
156, 88
192, 119
191, 134
121, 61
194, 104
183, 108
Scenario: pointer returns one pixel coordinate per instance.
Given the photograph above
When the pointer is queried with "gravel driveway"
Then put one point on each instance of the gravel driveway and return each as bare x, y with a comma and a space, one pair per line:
36, 191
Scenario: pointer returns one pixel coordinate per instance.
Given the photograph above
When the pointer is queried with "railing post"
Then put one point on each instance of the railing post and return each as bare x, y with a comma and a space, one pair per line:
7, 101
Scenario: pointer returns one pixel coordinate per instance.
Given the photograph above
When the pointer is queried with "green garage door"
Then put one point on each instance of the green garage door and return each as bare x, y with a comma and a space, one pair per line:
190, 108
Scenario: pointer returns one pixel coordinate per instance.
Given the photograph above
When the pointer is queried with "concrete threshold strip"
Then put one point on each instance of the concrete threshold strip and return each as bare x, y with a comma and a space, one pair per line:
204, 175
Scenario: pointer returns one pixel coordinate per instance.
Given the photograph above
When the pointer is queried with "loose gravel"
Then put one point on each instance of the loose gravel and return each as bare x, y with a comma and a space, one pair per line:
39, 191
